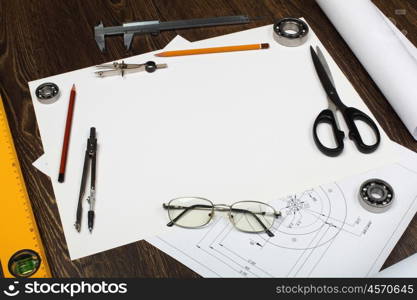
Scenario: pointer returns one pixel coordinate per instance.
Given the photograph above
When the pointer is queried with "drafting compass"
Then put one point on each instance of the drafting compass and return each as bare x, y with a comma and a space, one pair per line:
121, 68
90, 157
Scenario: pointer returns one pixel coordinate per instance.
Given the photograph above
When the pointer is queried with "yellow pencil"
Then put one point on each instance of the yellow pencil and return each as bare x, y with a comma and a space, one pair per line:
213, 50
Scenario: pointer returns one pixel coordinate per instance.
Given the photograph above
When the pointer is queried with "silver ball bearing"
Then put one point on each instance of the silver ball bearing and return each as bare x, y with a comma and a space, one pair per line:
290, 32
47, 93
376, 195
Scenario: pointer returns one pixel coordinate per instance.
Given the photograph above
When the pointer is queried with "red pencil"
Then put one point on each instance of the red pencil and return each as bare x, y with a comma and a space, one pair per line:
67, 133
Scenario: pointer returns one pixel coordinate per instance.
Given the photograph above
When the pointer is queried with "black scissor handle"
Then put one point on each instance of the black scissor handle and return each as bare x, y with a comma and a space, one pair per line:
327, 116
352, 114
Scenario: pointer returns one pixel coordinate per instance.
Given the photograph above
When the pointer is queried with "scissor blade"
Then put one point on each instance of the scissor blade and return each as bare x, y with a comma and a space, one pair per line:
325, 64
326, 67
325, 80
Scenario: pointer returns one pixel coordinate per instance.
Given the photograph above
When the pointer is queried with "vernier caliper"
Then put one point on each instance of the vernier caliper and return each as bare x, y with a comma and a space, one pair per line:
155, 27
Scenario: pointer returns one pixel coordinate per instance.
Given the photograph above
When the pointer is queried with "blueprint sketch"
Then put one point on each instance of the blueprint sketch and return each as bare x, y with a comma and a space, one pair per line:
322, 232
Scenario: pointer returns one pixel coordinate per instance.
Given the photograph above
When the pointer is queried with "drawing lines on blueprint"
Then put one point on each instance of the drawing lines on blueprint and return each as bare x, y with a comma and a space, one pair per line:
306, 215
307, 228
316, 229
213, 245
186, 255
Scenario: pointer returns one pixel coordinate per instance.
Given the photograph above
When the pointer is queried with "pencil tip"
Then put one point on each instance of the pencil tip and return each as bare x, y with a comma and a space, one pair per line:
158, 54
61, 177
73, 87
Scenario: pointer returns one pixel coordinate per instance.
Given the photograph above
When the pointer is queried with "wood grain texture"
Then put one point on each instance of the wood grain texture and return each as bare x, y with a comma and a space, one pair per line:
40, 38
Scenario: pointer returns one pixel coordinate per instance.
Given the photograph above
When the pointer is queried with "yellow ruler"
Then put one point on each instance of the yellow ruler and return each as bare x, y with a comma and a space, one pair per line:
21, 251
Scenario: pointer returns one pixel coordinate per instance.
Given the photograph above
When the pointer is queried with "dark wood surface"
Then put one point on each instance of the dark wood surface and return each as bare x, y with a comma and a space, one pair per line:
40, 38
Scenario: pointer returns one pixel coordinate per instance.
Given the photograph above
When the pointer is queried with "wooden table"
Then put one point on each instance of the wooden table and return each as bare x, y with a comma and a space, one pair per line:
43, 38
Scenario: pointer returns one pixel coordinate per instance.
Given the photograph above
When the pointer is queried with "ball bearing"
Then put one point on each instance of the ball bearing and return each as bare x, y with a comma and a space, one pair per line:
376, 195
290, 32
47, 93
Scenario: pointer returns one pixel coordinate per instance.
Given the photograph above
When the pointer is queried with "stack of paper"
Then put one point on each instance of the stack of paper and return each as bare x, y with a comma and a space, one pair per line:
227, 126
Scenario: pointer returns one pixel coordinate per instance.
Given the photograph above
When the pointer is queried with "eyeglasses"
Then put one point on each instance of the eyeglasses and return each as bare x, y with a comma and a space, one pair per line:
247, 216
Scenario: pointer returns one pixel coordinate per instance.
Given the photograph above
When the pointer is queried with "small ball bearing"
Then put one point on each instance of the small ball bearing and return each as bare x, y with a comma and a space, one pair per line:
47, 93
290, 32
376, 195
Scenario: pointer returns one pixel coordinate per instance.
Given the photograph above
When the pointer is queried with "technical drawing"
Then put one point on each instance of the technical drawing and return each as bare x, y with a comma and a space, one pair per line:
322, 232
310, 222
307, 216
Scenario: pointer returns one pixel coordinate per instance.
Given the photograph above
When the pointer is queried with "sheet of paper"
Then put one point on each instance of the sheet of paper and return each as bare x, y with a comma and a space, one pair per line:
228, 126
407, 268
323, 232
42, 164
48, 116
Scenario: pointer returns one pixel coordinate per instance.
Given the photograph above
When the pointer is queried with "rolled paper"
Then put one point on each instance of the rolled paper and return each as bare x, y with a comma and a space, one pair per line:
386, 54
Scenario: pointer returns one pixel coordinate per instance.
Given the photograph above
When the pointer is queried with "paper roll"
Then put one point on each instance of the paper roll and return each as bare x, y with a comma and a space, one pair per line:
389, 58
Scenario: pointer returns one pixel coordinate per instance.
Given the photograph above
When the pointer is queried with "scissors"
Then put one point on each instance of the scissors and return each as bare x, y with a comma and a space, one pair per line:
350, 114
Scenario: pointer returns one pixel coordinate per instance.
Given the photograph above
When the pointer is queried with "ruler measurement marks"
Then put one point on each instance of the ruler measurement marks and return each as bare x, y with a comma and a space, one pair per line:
19, 230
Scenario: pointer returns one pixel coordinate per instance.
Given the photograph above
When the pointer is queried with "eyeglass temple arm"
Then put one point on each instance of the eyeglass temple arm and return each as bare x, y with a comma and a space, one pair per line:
166, 206
267, 231
187, 209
